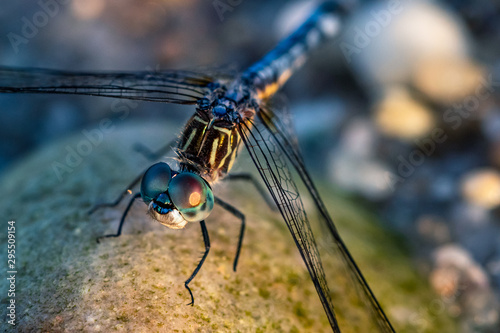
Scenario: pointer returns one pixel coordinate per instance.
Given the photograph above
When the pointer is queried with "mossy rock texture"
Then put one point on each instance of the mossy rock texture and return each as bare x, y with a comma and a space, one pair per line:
67, 282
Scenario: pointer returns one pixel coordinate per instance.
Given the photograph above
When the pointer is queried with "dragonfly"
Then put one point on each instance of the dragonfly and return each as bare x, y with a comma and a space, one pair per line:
232, 112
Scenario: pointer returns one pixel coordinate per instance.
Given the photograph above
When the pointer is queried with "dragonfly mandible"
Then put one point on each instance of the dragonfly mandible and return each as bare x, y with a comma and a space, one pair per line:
231, 112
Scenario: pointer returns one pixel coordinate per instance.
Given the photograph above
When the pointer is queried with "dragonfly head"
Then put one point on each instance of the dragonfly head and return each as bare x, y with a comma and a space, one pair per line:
174, 199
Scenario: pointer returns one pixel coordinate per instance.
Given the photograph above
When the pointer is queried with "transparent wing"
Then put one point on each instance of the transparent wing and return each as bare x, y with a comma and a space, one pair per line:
180, 87
278, 123
272, 166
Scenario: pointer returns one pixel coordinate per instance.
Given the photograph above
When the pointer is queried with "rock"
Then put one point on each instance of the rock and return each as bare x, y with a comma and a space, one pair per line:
482, 188
87, 10
458, 277
398, 114
362, 176
433, 228
68, 282
353, 165
360, 138
448, 80
387, 41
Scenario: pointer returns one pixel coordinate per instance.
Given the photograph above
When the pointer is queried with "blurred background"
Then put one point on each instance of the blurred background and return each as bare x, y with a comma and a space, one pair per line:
400, 113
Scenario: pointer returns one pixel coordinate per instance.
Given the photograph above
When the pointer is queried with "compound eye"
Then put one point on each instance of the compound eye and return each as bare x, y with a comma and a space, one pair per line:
155, 181
192, 196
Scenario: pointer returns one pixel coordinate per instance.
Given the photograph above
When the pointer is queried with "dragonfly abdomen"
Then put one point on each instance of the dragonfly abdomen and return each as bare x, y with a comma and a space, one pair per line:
274, 69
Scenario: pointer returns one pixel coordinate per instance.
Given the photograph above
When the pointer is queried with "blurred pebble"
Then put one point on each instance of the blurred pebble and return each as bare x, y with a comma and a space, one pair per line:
388, 49
456, 272
444, 281
482, 188
353, 166
87, 9
454, 256
359, 138
398, 114
363, 176
448, 80
433, 228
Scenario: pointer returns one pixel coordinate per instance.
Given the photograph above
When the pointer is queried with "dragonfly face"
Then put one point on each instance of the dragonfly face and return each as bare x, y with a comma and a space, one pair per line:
173, 198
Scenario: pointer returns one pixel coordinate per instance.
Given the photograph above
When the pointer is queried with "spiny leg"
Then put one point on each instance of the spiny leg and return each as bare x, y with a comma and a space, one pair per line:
206, 240
239, 215
249, 177
120, 197
119, 232
153, 155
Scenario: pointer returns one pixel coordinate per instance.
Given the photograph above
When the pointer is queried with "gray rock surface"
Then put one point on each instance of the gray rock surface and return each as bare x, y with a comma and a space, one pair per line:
66, 282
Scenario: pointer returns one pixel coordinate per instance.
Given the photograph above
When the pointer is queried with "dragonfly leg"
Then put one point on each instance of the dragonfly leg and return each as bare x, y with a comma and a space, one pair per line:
146, 152
119, 232
206, 240
120, 197
153, 155
250, 178
239, 215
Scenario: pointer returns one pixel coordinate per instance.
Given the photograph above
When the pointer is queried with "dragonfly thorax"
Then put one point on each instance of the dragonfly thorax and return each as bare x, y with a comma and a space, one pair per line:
224, 109
210, 140
231, 103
